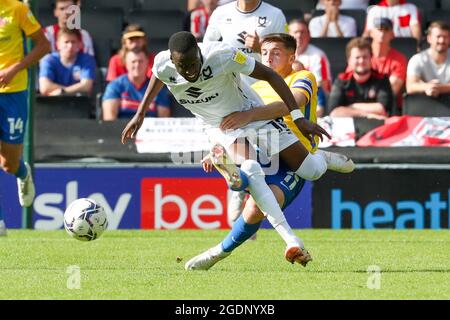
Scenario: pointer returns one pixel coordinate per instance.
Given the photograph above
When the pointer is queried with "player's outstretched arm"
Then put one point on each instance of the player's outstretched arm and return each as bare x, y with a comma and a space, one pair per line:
279, 85
135, 123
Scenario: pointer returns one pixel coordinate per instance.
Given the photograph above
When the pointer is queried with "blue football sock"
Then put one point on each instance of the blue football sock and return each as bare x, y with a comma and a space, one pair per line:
240, 232
22, 171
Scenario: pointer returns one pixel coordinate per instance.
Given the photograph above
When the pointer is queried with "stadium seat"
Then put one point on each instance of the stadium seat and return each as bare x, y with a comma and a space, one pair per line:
47, 4
305, 6
407, 46
63, 107
358, 15
157, 45
443, 15
293, 14
445, 4
158, 24
105, 23
126, 6
424, 106
45, 17
103, 51
335, 50
164, 5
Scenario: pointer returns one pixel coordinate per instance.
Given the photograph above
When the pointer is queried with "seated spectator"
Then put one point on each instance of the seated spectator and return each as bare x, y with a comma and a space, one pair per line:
197, 20
134, 39
347, 4
404, 16
332, 23
69, 70
62, 13
361, 92
429, 71
124, 94
312, 58
387, 60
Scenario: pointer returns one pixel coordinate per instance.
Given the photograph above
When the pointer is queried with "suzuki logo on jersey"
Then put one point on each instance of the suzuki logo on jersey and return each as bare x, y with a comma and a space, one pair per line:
194, 92
183, 203
207, 73
262, 22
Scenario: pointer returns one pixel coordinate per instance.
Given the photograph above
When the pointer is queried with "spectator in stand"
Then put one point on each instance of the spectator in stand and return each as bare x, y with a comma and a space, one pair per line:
62, 13
332, 23
429, 71
347, 4
404, 16
312, 58
387, 60
197, 20
134, 39
69, 70
123, 95
361, 92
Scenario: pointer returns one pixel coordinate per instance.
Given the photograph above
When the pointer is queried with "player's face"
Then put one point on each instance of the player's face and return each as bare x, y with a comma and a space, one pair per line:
188, 64
277, 57
360, 61
439, 40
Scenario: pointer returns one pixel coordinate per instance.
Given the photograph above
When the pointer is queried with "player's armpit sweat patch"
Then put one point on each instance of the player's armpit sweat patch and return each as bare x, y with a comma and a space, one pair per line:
239, 57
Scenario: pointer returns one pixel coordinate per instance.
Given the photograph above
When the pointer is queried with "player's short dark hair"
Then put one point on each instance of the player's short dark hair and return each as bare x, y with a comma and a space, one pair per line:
182, 42
360, 43
287, 40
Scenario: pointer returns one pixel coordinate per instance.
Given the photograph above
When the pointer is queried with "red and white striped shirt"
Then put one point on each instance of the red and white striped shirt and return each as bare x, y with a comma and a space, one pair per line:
51, 32
316, 61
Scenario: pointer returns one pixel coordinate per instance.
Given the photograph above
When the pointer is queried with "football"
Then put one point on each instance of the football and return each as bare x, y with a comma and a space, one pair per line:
85, 220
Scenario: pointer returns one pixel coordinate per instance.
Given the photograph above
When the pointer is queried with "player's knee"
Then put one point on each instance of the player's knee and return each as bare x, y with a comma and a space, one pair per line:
313, 167
251, 167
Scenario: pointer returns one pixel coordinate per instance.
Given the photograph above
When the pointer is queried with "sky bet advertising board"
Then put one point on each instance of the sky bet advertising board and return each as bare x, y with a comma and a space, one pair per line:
135, 198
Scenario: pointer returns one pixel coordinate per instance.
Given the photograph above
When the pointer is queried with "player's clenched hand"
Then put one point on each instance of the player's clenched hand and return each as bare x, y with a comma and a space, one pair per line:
132, 127
310, 129
252, 42
235, 120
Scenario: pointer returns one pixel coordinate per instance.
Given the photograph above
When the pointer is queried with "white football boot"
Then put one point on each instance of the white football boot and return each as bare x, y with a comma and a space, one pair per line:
337, 162
26, 189
2, 228
207, 259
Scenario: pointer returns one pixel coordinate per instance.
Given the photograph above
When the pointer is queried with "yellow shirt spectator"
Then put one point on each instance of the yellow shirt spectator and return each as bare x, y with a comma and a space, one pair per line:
15, 19
306, 83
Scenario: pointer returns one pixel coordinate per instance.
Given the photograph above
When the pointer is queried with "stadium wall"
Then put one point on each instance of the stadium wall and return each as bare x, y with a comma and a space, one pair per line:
165, 197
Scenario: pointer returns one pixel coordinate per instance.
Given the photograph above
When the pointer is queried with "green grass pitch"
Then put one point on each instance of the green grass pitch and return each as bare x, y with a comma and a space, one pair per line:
143, 265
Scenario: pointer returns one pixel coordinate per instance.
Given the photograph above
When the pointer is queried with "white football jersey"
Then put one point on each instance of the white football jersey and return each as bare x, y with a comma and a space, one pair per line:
230, 25
219, 90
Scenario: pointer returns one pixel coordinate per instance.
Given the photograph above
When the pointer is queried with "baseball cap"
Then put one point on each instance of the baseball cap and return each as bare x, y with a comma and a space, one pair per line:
133, 31
383, 23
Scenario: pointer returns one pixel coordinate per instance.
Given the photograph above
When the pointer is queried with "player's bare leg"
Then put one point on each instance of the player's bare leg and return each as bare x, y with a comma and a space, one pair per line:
10, 159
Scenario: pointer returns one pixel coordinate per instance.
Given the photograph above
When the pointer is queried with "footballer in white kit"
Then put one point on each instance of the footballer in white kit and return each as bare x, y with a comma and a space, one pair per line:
205, 98
231, 25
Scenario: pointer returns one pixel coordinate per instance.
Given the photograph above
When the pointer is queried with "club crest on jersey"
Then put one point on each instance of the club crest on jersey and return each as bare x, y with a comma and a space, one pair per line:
207, 73
262, 22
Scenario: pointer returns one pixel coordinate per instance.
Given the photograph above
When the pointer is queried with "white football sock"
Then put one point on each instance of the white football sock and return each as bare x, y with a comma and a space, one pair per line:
266, 201
313, 167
